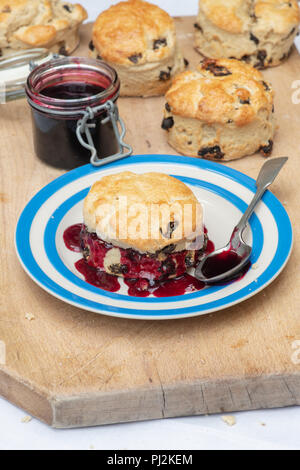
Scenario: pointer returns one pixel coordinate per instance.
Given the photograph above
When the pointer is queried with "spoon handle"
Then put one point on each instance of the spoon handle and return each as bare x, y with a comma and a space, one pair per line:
266, 176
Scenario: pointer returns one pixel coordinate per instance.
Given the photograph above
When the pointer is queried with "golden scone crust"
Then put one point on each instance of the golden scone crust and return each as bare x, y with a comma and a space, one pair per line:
260, 32
124, 209
128, 29
139, 40
52, 24
223, 110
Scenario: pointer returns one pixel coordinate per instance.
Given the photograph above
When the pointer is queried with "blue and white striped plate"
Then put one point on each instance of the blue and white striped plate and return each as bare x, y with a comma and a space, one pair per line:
224, 193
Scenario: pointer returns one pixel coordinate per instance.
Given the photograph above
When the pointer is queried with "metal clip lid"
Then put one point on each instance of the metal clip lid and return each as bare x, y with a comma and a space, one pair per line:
84, 126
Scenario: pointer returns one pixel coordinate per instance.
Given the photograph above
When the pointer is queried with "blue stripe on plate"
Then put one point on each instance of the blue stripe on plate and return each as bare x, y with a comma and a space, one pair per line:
59, 214
33, 269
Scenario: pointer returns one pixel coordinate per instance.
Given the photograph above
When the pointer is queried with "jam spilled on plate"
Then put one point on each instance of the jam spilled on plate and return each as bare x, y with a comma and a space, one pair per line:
136, 287
130, 264
169, 288
96, 277
72, 238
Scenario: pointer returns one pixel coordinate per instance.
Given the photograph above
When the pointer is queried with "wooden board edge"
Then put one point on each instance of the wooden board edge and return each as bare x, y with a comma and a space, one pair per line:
198, 398
25, 396
201, 397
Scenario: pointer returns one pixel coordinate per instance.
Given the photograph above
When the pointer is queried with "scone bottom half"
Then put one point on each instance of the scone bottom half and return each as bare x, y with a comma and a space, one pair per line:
147, 80
131, 264
153, 259
222, 111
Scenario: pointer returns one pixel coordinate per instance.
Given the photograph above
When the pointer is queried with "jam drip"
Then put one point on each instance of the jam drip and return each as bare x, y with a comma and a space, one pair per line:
72, 238
169, 288
210, 247
97, 278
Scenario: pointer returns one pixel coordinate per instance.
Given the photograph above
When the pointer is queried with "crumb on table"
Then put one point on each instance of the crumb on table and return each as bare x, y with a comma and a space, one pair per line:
229, 420
29, 316
26, 419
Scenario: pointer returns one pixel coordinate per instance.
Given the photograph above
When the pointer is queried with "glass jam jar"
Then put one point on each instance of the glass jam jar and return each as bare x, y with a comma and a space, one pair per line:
61, 92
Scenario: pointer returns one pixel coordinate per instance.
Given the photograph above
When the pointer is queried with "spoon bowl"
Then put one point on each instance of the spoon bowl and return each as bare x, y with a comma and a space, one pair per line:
224, 264
227, 263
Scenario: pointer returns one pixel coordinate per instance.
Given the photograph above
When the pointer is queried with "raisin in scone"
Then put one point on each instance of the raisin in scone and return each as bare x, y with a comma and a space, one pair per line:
221, 111
259, 32
147, 226
138, 39
52, 24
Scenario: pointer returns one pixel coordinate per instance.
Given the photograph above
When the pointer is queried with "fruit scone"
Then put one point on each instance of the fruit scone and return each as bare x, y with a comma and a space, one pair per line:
147, 226
52, 24
259, 32
138, 39
223, 110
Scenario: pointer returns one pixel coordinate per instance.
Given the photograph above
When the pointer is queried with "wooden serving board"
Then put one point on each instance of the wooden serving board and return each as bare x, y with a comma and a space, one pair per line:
69, 367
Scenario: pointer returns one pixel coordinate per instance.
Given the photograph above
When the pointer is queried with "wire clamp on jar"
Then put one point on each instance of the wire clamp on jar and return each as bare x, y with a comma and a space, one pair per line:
84, 126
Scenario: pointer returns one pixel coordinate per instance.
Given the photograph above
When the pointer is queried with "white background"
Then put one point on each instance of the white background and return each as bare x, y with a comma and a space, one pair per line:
174, 8
281, 430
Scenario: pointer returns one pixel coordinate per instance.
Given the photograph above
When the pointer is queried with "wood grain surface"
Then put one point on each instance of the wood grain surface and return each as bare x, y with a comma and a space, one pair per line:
73, 368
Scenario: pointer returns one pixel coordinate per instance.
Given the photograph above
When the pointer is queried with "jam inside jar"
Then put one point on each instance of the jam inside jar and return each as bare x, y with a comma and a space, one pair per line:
59, 92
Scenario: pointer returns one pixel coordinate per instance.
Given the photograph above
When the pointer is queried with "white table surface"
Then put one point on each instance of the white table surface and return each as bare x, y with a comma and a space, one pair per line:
267, 429
281, 431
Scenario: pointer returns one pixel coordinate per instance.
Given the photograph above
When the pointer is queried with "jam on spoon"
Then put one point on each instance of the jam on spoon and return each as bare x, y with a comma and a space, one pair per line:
226, 263
218, 264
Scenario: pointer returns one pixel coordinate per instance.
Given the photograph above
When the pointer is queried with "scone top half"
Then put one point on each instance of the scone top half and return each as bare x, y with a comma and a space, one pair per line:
52, 24
139, 40
260, 32
223, 110
146, 226
127, 210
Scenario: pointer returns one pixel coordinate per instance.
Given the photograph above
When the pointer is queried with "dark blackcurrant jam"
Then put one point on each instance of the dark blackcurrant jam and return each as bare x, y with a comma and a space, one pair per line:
220, 263
72, 238
143, 287
136, 287
58, 93
72, 90
223, 262
179, 286
169, 288
210, 247
96, 277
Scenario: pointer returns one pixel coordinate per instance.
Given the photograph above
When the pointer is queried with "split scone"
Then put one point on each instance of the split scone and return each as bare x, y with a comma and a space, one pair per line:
259, 32
52, 24
138, 39
147, 226
221, 111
